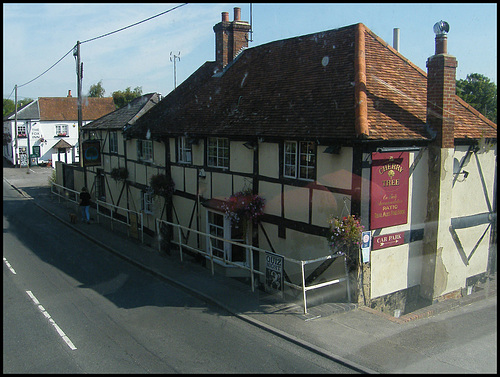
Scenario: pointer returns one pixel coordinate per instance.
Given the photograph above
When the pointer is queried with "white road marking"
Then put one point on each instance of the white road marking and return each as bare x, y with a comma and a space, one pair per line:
9, 266
52, 322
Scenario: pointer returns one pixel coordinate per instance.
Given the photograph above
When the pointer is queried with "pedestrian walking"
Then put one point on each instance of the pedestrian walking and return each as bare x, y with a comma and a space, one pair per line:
85, 205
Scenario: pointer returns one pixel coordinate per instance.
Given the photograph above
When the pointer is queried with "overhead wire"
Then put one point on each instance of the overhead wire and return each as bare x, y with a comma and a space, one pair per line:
92, 39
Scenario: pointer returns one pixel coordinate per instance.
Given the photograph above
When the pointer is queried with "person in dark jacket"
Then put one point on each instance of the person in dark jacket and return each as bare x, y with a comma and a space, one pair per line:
85, 205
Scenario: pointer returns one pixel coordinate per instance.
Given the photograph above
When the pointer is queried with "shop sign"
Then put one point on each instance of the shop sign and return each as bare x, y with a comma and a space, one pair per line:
388, 240
389, 189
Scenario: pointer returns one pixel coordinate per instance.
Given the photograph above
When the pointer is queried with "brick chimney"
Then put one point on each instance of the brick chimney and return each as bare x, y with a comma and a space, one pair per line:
441, 78
230, 37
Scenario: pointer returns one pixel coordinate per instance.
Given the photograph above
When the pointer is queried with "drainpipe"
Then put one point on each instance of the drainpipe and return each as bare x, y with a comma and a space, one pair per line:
361, 107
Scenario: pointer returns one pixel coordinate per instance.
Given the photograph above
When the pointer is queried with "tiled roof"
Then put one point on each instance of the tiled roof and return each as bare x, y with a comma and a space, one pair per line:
303, 88
62, 144
125, 115
66, 108
27, 112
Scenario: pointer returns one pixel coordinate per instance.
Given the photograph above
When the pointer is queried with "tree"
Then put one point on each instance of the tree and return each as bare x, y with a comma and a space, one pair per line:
479, 92
9, 106
121, 98
96, 90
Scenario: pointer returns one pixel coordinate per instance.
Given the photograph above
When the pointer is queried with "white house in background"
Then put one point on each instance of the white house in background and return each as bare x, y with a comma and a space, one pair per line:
48, 129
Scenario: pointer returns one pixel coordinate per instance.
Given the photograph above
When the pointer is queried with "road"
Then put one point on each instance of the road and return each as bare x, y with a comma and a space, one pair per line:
71, 307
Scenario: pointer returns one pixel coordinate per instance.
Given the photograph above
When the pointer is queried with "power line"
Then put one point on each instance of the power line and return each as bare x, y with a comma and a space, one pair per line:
89, 40
137, 23
20, 86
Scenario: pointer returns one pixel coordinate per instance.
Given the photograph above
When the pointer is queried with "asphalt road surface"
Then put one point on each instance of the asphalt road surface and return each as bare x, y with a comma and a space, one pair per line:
71, 307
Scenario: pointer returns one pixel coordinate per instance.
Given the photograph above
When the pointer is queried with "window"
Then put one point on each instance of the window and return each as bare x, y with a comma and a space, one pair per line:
218, 152
113, 142
290, 159
61, 129
299, 160
145, 150
147, 201
100, 188
184, 150
216, 228
307, 160
21, 130
220, 226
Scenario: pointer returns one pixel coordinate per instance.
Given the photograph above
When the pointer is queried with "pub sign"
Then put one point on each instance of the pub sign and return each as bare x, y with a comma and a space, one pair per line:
91, 153
389, 189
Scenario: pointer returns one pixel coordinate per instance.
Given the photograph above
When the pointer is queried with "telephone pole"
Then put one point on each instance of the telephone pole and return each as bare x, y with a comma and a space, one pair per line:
173, 58
79, 76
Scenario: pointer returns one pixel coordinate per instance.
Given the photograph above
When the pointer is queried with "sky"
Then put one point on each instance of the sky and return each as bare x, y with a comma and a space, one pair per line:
38, 35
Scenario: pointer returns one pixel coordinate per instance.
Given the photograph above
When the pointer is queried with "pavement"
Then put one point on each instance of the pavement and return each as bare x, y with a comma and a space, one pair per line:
364, 339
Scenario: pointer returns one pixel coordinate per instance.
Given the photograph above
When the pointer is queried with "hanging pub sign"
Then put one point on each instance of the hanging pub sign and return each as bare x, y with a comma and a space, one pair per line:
91, 152
389, 189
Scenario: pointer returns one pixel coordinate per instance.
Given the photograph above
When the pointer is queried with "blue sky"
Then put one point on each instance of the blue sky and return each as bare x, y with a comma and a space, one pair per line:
37, 35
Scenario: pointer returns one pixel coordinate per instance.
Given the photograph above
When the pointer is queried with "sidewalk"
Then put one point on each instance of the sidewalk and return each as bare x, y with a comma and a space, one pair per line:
344, 333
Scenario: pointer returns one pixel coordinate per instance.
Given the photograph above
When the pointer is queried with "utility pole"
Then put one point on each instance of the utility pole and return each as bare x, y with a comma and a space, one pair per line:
173, 57
79, 76
15, 130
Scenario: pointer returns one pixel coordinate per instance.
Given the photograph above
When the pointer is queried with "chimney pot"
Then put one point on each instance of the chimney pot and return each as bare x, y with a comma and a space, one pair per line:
237, 14
441, 44
225, 17
69, 93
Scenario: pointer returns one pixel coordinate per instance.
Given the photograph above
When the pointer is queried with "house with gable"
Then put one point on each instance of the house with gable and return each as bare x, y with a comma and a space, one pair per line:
329, 124
49, 125
104, 169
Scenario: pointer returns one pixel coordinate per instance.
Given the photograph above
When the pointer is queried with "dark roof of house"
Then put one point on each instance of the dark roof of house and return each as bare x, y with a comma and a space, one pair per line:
126, 115
65, 109
28, 111
304, 88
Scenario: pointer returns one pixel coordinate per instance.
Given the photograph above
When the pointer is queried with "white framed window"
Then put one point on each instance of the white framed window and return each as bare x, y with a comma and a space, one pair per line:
218, 152
61, 129
21, 130
145, 150
299, 160
113, 142
147, 201
307, 160
220, 226
290, 159
184, 152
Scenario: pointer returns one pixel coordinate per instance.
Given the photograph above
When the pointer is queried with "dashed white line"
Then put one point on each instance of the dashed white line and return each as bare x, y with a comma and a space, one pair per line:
52, 322
9, 266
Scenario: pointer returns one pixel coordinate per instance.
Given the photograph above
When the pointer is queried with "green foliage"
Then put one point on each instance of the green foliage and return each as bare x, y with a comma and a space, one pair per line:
479, 92
121, 98
96, 90
9, 106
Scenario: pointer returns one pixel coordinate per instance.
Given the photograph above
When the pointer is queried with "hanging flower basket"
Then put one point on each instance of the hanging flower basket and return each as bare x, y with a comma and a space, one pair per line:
344, 238
119, 174
244, 206
162, 185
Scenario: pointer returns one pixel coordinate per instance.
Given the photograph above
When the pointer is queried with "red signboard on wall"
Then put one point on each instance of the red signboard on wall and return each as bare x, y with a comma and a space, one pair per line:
389, 189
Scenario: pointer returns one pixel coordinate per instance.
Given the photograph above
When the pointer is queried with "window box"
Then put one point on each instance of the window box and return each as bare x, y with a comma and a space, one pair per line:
61, 134
21, 135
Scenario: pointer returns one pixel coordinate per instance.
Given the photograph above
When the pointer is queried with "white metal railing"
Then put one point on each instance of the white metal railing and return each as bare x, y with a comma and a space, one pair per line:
64, 192
110, 206
250, 267
73, 196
